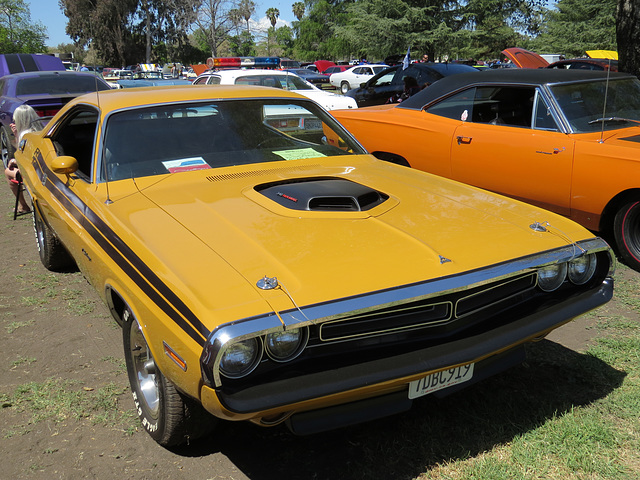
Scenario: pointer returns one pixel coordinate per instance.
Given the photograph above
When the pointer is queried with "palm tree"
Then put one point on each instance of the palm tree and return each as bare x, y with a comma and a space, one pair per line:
235, 15
247, 8
298, 10
273, 14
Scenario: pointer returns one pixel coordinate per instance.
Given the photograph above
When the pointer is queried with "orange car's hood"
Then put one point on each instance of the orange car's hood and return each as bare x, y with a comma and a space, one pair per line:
429, 227
524, 58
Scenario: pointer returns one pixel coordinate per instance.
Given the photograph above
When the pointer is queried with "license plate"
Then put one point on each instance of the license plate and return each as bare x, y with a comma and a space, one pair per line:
439, 380
312, 125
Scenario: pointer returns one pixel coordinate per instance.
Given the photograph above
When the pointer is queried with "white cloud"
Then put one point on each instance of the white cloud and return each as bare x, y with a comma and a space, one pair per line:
261, 26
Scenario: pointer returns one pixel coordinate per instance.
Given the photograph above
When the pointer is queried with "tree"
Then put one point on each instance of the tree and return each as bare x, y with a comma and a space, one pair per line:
216, 19
272, 14
298, 10
628, 33
126, 31
106, 24
17, 33
242, 45
247, 8
576, 26
317, 35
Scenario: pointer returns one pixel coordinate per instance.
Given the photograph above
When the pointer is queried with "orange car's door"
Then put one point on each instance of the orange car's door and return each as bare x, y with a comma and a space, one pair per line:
523, 163
511, 144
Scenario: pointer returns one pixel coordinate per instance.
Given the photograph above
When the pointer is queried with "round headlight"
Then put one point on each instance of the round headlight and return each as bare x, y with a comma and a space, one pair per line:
286, 345
551, 276
241, 358
581, 269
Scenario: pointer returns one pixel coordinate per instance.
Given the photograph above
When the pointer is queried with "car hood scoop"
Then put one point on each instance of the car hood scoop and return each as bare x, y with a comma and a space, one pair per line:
323, 194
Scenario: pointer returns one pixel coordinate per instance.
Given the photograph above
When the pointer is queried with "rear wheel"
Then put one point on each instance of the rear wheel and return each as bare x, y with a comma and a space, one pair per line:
345, 87
626, 230
53, 255
7, 151
167, 415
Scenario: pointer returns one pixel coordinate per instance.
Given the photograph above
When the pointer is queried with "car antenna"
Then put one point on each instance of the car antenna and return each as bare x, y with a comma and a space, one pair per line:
604, 107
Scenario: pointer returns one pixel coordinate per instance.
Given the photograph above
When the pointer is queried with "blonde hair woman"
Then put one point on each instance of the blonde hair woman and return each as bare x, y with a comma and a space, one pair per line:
23, 119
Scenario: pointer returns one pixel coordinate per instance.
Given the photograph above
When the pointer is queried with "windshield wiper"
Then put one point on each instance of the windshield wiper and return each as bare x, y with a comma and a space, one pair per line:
613, 119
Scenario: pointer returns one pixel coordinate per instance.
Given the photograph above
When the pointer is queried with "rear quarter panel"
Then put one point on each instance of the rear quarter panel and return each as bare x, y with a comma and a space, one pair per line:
602, 171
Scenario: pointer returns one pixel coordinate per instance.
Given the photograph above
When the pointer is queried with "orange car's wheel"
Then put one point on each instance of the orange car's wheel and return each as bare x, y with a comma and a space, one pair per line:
53, 255
626, 229
166, 414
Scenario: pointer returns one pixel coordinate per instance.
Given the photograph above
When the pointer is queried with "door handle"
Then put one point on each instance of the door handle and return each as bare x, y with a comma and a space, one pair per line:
465, 140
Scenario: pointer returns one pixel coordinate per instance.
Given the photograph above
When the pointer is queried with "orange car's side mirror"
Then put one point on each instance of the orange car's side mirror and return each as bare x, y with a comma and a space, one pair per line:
64, 165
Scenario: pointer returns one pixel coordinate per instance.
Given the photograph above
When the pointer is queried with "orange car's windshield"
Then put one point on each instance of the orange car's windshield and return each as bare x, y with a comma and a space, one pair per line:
583, 104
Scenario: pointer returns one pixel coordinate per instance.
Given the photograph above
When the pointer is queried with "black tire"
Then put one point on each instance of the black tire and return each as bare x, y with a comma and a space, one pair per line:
53, 255
345, 87
167, 415
626, 231
7, 149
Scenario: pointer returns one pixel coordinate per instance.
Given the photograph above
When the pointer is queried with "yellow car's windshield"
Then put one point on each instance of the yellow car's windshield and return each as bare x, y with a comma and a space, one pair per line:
191, 136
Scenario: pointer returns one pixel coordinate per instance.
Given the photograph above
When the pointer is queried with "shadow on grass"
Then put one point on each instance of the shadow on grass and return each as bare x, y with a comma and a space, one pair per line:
552, 381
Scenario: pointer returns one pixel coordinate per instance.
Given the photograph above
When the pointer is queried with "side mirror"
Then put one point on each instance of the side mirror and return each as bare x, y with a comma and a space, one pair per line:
64, 165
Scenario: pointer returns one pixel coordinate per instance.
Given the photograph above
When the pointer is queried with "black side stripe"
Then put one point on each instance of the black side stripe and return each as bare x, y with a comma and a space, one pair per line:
121, 253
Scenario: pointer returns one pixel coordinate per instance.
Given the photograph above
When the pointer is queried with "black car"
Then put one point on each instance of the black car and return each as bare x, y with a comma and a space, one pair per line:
317, 79
389, 82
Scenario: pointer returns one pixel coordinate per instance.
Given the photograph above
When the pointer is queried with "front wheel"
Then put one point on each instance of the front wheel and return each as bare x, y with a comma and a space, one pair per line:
626, 231
345, 87
167, 415
53, 255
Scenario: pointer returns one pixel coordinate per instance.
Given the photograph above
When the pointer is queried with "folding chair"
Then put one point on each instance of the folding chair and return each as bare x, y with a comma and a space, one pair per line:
18, 181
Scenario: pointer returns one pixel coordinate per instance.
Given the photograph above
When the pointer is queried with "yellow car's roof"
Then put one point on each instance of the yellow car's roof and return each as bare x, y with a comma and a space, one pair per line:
116, 99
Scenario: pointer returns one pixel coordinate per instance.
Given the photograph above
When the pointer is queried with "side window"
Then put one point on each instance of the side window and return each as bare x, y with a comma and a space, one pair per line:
509, 106
213, 80
75, 138
385, 79
543, 119
200, 81
456, 107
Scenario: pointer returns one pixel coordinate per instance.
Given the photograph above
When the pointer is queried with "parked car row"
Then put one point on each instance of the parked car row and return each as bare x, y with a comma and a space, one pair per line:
277, 79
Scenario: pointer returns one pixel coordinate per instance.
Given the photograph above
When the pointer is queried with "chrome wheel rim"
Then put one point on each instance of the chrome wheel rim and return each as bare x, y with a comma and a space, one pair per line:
4, 144
144, 369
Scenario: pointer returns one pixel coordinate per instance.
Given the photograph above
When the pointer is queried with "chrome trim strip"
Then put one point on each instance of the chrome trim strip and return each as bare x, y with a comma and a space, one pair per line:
359, 305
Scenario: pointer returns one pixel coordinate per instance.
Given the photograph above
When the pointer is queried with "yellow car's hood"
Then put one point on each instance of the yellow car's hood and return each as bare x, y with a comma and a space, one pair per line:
428, 227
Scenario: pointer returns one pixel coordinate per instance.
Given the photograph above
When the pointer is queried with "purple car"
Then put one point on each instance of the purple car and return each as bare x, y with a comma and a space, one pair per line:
28, 62
46, 91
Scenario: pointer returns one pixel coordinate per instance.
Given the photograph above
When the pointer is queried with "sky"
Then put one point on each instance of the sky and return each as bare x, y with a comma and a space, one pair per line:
50, 15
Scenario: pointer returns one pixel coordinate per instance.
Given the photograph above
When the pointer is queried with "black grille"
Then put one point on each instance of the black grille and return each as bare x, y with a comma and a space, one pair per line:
427, 313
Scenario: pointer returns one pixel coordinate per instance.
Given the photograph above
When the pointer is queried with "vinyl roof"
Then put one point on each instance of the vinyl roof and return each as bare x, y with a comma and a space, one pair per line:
512, 76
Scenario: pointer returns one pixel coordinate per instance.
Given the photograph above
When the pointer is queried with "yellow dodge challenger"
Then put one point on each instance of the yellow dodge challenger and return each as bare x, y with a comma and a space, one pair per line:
264, 267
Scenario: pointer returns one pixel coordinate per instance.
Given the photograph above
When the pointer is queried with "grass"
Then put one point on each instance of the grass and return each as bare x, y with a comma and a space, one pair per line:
587, 427
58, 400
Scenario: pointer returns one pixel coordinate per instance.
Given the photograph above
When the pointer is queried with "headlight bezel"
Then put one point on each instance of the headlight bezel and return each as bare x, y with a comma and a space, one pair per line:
552, 283
301, 344
250, 366
586, 276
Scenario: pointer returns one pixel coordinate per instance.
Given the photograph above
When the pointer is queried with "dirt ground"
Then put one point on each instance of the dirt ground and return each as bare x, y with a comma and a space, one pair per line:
54, 328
